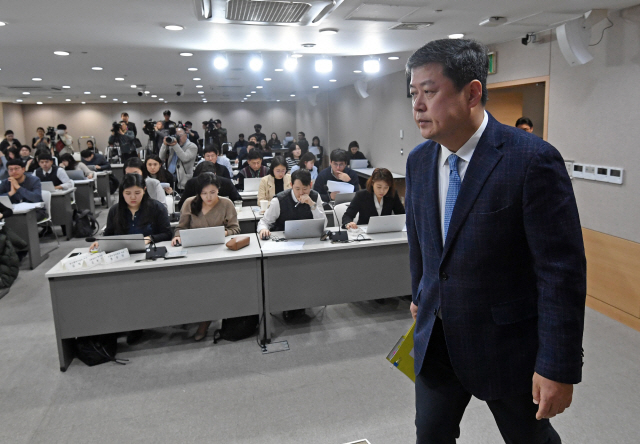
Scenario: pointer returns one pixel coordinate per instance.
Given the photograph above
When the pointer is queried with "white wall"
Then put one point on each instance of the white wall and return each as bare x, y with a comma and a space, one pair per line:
95, 119
313, 120
13, 120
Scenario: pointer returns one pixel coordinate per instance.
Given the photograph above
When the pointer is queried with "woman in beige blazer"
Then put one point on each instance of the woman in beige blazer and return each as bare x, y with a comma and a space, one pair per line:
276, 181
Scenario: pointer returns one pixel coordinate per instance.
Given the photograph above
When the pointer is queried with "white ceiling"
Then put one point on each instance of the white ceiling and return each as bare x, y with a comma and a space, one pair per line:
127, 38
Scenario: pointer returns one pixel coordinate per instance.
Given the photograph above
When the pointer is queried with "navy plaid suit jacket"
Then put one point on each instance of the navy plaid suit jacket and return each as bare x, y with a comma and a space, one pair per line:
511, 278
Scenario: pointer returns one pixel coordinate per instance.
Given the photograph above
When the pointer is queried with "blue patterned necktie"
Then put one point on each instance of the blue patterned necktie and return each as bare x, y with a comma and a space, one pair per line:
452, 192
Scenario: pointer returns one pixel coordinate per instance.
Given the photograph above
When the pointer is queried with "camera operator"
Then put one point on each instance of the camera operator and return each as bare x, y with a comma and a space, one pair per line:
210, 134
167, 123
156, 134
258, 135
64, 141
121, 135
222, 132
193, 134
130, 125
179, 155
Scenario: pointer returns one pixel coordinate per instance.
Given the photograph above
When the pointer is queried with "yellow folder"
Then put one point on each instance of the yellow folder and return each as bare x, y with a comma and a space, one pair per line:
401, 356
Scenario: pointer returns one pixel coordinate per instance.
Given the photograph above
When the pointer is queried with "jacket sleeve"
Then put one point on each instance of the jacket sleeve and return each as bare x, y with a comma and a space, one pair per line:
67, 183
320, 186
110, 228
263, 189
231, 220
158, 193
161, 224
554, 235
415, 253
185, 155
34, 195
104, 163
352, 210
233, 193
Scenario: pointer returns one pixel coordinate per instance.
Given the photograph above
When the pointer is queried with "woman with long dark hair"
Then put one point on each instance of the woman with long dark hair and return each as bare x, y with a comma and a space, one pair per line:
205, 210
276, 181
274, 141
69, 164
316, 148
294, 155
137, 213
307, 162
156, 170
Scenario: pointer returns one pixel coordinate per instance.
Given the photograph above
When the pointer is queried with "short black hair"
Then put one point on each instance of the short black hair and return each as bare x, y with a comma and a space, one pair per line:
339, 155
300, 132
26, 146
240, 135
136, 162
254, 154
211, 149
288, 132
354, 143
188, 123
86, 153
45, 156
462, 61
17, 162
250, 143
166, 112
7, 132
124, 114
276, 162
524, 121
62, 126
304, 176
39, 128
257, 127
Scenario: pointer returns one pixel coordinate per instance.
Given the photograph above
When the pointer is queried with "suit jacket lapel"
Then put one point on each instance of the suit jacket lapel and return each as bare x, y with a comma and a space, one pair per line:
431, 194
485, 157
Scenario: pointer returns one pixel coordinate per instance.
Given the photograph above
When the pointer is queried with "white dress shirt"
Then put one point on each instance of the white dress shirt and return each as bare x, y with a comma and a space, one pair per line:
67, 183
273, 212
464, 153
378, 204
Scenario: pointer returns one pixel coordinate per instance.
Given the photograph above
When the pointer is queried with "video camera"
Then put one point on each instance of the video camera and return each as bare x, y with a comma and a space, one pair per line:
211, 125
149, 126
51, 132
115, 128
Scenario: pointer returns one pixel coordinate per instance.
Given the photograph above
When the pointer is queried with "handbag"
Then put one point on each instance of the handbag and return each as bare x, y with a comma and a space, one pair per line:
238, 242
98, 349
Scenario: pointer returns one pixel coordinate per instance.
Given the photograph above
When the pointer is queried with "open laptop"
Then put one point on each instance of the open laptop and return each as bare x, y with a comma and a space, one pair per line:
132, 242
6, 201
76, 175
358, 163
252, 184
344, 198
197, 237
48, 186
301, 229
386, 224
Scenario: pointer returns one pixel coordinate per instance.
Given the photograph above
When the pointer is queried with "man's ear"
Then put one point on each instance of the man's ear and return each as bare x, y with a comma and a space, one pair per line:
475, 93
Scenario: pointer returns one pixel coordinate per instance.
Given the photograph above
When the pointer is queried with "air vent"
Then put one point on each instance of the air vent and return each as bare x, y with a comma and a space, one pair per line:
266, 11
410, 26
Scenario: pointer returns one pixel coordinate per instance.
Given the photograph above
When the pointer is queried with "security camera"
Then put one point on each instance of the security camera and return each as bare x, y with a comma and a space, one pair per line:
529, 38
140, 93
180, 91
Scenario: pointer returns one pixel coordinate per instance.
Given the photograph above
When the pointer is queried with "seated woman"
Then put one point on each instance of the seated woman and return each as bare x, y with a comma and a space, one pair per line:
307, 162
227, 188
378, 199
156, 170
276, 181
294, 155
133, 165
274, 142
206, 210
69, 164
316, 148
265, 148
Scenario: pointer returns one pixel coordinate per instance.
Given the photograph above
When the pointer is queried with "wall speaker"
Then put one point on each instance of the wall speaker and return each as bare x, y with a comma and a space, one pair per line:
573, 38
361, 88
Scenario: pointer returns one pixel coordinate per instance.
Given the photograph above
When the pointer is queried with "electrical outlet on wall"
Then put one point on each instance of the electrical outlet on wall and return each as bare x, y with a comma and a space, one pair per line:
589, 172
578, 170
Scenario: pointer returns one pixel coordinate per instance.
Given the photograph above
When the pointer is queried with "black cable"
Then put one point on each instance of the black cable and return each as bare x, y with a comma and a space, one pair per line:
602, 36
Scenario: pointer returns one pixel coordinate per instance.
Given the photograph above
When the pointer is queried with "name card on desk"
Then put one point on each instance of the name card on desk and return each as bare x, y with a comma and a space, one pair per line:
116, 256
75, 262
94, 259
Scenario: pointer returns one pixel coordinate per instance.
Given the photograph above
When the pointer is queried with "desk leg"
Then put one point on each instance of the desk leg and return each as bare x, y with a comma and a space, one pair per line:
263, 313
84, 198
66, 347
267, 325
103, 188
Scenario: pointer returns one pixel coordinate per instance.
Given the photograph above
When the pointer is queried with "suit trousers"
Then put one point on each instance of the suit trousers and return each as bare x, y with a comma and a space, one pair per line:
441, 401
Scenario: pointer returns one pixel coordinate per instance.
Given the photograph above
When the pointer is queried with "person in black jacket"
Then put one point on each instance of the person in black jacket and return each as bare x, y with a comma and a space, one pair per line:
226, 189
379, 199
130, 125
354, 152
211, 153
95, 160
337, 172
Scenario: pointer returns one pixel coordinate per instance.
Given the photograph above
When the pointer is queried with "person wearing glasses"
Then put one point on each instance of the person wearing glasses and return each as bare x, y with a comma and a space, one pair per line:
338, 172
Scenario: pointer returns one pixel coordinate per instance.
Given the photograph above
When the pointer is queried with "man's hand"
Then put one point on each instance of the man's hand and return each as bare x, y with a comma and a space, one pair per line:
15, 186
334, 194
344, 177
414, 310
264, 234
306, 199
98, 167
351, 225
58, 187
551, 397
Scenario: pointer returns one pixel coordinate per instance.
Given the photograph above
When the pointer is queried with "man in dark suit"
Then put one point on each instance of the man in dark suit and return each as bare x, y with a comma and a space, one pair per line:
497, 259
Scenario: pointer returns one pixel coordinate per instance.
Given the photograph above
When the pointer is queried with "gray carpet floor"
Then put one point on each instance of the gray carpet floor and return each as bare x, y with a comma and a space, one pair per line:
334, 385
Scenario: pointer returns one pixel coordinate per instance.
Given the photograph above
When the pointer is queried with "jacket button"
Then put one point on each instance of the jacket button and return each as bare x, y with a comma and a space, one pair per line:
443, 276
435, 312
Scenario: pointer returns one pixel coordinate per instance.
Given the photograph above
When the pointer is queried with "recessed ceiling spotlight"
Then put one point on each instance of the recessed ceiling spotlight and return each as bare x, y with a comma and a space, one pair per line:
394, 58
296, 56
18, 100
371, 65
86, 102
103, 97
197, 78
174, 27
192, 69
186, 54
256, 62
328, 31
200, 92
324, 64
3, 23
119, 79
26, 93
37, 79
278, 70
87, 92
220, 61
267, 79
97, 68
147, 92
67, 100
308, 45
258, 87
292, 95
248, 95
61, 53
278, 100
161, 99
38, 103
333, 80
199, 86
66, 87
134, 86
456, 36
316, 87
154, 96
125, 101
253, 92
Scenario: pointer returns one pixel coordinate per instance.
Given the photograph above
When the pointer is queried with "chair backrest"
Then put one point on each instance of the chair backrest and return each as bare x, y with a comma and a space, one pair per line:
46, 197
339, 211
76, 156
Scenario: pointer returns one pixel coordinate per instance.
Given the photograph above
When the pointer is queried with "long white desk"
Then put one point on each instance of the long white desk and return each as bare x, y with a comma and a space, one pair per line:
339, 273
210, 283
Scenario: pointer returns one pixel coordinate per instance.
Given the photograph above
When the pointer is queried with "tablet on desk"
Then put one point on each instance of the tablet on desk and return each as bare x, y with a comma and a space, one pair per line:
132, 242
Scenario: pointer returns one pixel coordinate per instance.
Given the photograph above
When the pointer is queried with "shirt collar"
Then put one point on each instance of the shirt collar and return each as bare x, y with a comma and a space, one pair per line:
466, 151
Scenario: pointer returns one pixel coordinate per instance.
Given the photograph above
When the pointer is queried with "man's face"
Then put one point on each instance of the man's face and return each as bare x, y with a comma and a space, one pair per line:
253, 139
24, 152
525, 127
300, 136
158, 126
211, 157
188, 127
45, 164
218, 125
167, 117
337, 167
299, 189
125, 118
241, 138
181, 136
438, 107
16, 171
255, 164
123, 126
10, 137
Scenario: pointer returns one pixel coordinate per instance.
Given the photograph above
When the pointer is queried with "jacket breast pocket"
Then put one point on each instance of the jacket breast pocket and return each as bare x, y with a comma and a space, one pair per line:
514, 311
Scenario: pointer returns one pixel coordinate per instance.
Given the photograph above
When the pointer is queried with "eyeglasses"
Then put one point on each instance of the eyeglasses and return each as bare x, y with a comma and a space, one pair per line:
339, 164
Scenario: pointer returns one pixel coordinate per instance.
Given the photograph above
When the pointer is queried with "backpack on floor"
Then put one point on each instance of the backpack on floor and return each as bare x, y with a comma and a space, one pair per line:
98, 349
84, 224
236, 329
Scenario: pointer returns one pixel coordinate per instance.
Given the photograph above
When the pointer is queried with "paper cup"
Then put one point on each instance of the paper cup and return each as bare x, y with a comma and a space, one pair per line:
264, 204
